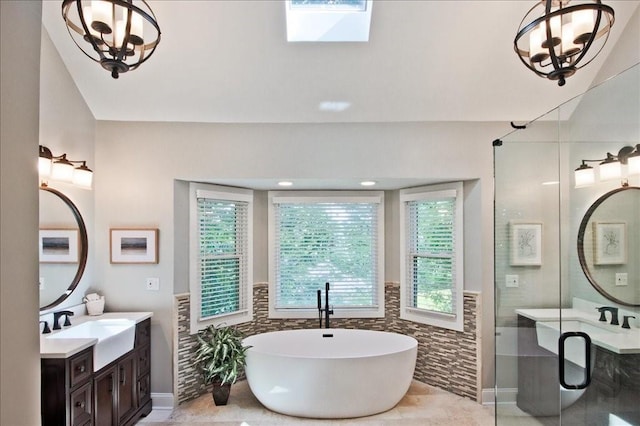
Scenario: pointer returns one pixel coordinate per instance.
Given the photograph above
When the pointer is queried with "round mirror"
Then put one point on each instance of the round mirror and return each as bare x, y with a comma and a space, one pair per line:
62, 245
609, 245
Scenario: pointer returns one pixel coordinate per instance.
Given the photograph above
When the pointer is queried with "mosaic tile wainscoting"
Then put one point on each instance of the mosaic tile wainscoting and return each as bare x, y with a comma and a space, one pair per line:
447, 359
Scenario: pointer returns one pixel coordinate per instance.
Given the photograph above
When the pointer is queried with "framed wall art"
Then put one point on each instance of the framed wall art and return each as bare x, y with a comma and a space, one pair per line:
526, 243
134, 245
58, 245
610, 242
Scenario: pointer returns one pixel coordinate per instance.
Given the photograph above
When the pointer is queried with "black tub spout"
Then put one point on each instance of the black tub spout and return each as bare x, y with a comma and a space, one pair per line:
326, 309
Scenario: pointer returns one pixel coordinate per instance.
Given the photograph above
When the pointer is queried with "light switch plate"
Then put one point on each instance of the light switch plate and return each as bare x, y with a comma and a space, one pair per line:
153, 284
511, 280
621, 279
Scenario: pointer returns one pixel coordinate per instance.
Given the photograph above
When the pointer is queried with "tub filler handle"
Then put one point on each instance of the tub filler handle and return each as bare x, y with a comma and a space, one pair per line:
326, 310
587, 359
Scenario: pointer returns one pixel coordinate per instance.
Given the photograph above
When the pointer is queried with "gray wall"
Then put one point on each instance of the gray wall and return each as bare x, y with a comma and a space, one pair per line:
137, 180
19, 85
68, 126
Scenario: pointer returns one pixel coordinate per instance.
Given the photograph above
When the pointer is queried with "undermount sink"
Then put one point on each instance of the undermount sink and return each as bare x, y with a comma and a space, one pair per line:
115, 338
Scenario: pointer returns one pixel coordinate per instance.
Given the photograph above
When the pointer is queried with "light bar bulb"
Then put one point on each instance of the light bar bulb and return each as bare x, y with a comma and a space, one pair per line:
584, 176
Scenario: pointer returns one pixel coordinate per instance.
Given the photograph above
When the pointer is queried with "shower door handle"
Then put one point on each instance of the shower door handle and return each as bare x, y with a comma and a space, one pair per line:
587, 359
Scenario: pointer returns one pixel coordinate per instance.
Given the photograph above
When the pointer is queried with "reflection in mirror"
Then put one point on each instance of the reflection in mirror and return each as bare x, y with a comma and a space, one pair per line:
60, 274
609, 245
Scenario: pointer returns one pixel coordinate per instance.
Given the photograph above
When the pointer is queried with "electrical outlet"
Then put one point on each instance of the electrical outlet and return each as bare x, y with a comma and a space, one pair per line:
511, 280
41, 283
153, 284
621, 279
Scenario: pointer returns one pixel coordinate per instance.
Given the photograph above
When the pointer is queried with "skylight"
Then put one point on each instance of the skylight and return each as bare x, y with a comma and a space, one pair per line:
328, 20
342, 5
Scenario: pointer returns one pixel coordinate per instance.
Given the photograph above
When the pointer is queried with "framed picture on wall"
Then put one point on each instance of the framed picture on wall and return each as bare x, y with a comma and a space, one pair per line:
58, 245
526, 243
610, 243
134, 245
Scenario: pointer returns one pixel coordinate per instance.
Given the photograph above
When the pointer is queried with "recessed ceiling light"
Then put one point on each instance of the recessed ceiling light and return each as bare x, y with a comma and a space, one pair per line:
368, 182
285, 183
334, 106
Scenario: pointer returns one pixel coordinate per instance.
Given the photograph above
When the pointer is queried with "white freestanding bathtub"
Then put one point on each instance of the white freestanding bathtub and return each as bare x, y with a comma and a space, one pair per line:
330, 373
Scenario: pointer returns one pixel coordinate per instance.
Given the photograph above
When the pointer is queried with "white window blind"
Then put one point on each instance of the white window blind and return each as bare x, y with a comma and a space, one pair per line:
432, 256
326, 239
431, 247
222, 228
221, 257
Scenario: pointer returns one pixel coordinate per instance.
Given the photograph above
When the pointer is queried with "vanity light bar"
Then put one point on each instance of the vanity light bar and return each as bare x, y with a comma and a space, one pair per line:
60, 168
609, 168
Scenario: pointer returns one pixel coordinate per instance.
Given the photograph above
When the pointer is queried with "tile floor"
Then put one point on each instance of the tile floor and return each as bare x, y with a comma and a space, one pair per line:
423, 405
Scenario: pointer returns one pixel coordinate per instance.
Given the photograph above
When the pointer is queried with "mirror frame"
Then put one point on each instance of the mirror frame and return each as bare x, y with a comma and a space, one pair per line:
83, 249
581, 256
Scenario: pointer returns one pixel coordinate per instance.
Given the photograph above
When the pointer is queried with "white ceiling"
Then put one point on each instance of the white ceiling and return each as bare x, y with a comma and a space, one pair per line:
229, 61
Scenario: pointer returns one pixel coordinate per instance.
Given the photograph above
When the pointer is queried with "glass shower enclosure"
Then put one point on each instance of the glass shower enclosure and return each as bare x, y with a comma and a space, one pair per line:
567, 263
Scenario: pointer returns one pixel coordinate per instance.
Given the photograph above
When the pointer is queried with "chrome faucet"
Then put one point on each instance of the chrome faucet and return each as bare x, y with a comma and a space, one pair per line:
614, 314
56, 319
326, 309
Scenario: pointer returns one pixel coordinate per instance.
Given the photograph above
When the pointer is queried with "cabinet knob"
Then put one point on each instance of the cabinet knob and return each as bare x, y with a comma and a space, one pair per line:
81, 368
80, 404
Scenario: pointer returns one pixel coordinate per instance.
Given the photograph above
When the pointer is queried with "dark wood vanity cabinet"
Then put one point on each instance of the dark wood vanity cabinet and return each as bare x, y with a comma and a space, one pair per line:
115, 392
122, 388
67, 390
118, 394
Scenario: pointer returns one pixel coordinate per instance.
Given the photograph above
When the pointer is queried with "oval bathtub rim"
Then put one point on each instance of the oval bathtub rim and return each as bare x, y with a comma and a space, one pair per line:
412, 347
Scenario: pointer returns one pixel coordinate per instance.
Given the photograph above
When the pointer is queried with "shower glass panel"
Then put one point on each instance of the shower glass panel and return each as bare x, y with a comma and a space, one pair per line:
556, 362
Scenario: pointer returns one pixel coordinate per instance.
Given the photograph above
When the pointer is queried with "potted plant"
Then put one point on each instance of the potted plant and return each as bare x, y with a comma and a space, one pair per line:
222, 357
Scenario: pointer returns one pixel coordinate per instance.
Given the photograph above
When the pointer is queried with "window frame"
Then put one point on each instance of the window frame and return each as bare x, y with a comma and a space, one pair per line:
407, 312
324, 197
246, 288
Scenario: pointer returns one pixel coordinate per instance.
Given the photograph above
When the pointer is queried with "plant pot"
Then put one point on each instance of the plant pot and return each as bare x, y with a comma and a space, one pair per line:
221, 393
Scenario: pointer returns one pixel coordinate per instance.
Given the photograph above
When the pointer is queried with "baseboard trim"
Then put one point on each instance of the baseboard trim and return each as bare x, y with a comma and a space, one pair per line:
505, 396
162, 401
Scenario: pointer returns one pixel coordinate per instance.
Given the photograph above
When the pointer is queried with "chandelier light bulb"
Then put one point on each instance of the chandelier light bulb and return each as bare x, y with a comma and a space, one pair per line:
537, 53
582, 25
102, 14
569, 48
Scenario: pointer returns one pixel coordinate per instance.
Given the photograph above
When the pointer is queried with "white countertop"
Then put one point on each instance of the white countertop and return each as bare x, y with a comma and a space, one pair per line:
553, 314
64, 348
619, 340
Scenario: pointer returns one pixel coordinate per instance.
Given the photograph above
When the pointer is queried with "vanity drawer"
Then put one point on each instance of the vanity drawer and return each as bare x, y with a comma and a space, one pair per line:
80, 367
143, 333
80, 405
144, 360
144, 389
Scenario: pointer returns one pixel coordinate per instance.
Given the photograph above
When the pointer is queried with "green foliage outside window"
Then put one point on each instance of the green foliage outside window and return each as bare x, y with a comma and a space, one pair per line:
220, 260
433, 245
327, 242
